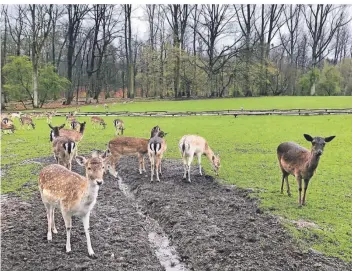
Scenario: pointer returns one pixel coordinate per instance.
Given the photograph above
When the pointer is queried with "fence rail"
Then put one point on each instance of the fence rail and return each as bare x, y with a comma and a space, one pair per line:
229, 112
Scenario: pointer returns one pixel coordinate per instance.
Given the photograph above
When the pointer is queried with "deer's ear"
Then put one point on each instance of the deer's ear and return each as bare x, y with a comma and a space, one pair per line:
62, 126
51, 127
328, 139
81, 160
308, 137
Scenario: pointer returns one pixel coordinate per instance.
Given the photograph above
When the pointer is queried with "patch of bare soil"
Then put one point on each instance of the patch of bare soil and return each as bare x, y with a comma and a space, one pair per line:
209, 226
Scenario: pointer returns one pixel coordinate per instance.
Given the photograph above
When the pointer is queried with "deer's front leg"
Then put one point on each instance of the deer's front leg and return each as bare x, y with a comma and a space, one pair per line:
306, 182
85, 220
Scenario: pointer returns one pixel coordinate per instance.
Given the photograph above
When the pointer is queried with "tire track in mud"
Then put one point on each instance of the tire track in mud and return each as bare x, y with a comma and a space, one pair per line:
209, 225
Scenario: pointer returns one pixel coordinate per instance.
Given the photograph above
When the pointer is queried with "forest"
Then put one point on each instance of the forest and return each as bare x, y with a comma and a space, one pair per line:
61, 51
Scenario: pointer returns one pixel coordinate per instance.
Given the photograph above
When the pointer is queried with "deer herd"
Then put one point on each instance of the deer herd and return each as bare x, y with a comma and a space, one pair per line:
76, 195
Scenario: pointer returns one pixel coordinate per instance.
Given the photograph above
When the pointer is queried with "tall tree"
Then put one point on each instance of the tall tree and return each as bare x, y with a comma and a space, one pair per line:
76, 14
322, 22
177, 17
128, 47
41, 23
246, 19
213, 25
3, 52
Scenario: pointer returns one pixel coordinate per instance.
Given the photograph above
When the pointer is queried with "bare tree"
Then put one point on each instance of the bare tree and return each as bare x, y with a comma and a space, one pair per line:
213, 24
3, 52
177, 17
322, 22
76, 14
17, 28
246, 19
128, 48
41, 24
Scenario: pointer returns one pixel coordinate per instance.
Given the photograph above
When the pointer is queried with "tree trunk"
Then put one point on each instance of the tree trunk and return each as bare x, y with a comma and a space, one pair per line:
35, 84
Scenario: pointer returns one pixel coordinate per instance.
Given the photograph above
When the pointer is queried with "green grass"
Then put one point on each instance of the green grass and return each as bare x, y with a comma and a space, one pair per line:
247, 146
224, 104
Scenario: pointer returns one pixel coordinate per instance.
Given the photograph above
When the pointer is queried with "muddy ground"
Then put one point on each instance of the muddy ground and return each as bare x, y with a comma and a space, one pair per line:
209, 226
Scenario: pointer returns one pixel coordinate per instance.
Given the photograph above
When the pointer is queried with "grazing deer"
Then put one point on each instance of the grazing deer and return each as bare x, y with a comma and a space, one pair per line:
8, 126
28, 121
119, 126
15, 115
74, 194
300, 162
156, 148
190, 145
98, 120
63, 149
70, 117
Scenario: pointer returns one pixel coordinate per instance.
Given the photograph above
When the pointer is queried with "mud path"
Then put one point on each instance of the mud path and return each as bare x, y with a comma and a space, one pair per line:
200, 226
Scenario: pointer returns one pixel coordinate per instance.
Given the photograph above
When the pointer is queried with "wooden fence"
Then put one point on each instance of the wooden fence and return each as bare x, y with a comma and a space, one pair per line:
230, 112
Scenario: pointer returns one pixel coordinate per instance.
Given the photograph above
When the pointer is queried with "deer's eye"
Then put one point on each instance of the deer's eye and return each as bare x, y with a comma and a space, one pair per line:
89, 168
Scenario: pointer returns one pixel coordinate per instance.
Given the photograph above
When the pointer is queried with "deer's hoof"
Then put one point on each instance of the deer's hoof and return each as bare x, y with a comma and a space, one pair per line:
93, 256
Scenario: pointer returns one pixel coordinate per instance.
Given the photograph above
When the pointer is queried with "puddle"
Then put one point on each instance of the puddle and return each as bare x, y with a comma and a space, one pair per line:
158, 240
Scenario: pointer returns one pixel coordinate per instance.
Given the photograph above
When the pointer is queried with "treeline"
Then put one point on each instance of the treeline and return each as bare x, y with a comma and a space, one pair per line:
189, 50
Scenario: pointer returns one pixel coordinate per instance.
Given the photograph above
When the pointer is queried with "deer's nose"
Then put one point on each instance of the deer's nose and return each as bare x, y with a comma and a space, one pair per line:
319, 152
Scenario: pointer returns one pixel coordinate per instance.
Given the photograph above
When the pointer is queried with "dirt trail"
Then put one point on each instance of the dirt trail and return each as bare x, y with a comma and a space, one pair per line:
209, 226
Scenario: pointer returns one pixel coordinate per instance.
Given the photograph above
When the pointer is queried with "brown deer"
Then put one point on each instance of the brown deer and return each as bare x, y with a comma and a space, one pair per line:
156, 148
98, 120
71, 134
119, 126
28, 121
300, 162
189, 145
8, 126
74, 194
63, 149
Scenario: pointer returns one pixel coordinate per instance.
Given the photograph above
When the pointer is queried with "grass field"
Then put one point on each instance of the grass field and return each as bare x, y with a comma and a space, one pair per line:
224, 104
247, 146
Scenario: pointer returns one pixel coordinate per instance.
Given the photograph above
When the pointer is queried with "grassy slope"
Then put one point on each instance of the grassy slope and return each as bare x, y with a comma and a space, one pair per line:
247, 146
224, 104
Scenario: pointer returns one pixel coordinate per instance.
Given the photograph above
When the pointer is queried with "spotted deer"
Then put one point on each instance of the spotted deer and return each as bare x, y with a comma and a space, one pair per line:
190, 145
28, 121
73, 194
99, 121
300, 162
119, 126
156, 148
63, 149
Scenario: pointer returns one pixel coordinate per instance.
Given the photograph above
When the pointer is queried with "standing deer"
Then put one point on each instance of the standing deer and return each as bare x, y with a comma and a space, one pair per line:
119, 126
98, 120
156, 148
189, 145
63, 149
300, 162
8, 126
75, 125
74, 135
74, 194
28, 121
124, 145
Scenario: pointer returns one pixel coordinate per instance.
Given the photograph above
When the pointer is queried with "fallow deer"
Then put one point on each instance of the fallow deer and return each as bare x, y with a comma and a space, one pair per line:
63, 149
71, 134
74, 194
75, 125
300, 162
98, 120
156, 148
119, 126
28, 121
8, 126
190, 145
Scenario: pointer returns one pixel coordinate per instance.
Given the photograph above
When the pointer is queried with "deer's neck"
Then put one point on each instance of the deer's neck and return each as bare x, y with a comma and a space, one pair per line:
313, 161
209, 153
